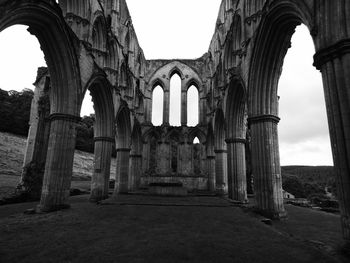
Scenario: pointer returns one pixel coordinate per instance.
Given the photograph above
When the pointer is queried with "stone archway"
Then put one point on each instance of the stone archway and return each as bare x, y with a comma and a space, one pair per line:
102, 96
45, 21
123, 142
235, 140
271, 46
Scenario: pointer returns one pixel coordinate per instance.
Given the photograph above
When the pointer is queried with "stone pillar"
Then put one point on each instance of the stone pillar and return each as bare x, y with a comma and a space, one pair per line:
122, 174
183, 107
334, 63
266, 165
102, 168
211, 173
237, 182
59, 162
221, 171
166, 107
135, 171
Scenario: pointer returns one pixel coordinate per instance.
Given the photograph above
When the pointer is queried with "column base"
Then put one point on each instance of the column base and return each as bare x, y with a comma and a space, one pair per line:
272, 214
97, 197
48, 209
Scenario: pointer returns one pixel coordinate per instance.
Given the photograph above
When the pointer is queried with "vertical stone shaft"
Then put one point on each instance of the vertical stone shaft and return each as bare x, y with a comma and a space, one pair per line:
166, 106
237, 182
184, 107
122, 174
266, 165
59, 163
135, 171
102, 168
334, 62
221, 171
211, 173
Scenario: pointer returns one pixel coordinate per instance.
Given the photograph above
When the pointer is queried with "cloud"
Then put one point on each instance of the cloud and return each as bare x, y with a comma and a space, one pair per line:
303, 129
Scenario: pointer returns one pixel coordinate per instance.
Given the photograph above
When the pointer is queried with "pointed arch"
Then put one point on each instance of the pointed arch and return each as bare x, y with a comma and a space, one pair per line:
102, 95
219, 130
99, 32
123, 128
175, 99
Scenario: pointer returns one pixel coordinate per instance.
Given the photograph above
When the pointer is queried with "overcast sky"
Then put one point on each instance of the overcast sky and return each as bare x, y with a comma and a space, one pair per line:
183, 29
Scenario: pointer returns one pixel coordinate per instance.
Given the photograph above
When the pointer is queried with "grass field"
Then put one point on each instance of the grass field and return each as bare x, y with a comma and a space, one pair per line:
12, 148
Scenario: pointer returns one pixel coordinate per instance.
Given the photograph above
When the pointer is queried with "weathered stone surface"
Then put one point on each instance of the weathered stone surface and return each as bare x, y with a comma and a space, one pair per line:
82, 39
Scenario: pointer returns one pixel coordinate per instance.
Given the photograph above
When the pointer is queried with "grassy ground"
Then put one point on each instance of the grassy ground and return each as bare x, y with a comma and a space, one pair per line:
139, 229
12, 149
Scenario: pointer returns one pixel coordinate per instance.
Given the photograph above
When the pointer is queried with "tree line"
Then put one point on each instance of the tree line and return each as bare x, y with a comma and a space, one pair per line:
15, 109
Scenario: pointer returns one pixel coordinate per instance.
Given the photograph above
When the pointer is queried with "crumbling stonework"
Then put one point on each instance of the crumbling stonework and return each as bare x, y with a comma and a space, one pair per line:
92, 45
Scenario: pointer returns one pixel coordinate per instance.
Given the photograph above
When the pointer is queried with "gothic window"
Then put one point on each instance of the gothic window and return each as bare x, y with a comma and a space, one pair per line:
157, 106
192, 106
175, 100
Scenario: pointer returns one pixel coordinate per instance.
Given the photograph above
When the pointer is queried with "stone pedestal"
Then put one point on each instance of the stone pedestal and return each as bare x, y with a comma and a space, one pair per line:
122, 174
334, 63
59, 163
135, 171
266, 165
221, 171
237, 182
102, 167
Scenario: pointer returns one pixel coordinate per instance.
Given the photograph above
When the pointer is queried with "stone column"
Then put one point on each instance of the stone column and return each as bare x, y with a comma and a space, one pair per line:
135, 171
266, 165
334, 63
166, 107
59, 163
122, 174
102, 168
237, 182
221, 171
211, 173
183, 107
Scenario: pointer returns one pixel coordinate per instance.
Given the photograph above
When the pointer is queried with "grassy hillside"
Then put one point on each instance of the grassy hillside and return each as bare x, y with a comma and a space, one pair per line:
304, 181
12, 149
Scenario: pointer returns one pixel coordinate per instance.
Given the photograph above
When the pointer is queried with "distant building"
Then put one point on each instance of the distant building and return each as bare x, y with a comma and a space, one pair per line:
287, 195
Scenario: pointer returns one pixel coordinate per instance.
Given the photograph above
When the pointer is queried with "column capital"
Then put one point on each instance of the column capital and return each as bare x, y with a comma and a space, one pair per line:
220, 151
103, 139
331, 52
64, 117
236, 140
263, 118
123, 150
135, 155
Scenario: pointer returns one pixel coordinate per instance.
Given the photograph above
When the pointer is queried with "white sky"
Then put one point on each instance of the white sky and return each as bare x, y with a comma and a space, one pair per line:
180, 29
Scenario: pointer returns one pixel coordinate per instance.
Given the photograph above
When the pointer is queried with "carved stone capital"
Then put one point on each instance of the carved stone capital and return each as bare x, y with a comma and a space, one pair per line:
263, 118
329, 53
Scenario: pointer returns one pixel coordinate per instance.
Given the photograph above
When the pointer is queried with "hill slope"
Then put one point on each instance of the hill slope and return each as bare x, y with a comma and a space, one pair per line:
12, 148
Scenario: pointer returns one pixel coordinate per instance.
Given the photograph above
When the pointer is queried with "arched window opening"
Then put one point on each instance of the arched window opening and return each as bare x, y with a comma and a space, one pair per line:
303, 130
192, 106
196, 141
157, 106
175, 101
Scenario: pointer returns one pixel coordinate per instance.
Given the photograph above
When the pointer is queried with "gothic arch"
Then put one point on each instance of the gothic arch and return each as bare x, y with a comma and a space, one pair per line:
196, 132
102, 96
175, 70
123, 128
270, 47
99, 32
58, 43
